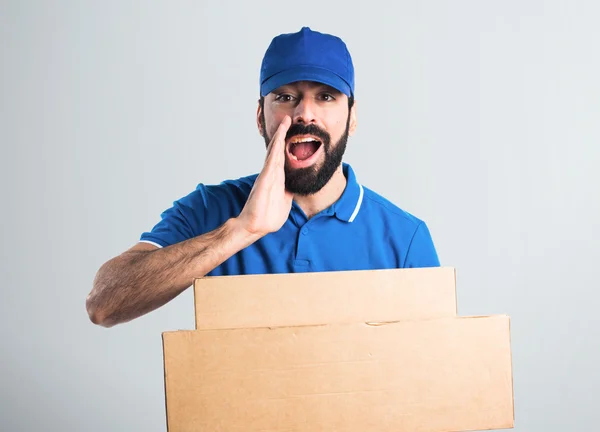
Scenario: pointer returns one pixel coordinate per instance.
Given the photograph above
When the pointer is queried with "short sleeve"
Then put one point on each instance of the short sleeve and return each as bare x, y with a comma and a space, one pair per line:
175, 225
421, 251
201, 211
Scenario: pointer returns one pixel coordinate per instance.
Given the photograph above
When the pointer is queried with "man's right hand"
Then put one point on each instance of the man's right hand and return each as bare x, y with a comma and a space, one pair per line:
269, 203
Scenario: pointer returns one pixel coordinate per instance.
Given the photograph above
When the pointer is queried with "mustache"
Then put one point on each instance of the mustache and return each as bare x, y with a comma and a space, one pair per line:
308, 129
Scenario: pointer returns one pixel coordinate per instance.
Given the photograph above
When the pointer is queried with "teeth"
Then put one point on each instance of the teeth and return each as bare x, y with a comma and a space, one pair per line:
299, 140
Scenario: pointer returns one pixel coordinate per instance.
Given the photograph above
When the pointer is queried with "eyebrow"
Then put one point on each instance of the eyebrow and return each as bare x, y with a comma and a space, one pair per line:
330, 89
311, 84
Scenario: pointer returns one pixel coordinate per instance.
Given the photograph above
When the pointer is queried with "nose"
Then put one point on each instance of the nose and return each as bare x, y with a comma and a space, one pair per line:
305, 111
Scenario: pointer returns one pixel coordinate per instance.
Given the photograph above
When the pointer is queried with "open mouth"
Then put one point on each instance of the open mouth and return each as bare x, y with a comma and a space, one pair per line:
301, 148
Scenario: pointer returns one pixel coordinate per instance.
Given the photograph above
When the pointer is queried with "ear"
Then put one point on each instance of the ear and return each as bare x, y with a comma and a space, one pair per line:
258, 122
352, 126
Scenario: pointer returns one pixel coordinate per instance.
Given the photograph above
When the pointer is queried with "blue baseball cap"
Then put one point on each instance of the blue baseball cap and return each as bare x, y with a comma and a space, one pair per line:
307, 56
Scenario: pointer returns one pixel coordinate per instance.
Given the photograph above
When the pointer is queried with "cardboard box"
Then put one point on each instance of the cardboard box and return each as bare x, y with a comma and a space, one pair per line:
437, 375
350, 351
324, 298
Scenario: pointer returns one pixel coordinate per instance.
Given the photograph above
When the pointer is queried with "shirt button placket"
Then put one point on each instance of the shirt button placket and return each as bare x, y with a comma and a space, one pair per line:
302, 258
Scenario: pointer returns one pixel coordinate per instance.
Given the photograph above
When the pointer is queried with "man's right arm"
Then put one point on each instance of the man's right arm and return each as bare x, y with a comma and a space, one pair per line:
145, 277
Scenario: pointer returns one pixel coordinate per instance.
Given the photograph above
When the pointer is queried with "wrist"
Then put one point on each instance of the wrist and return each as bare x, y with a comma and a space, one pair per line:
240, 229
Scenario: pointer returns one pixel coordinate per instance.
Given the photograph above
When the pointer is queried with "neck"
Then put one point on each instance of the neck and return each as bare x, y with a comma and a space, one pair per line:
330, 193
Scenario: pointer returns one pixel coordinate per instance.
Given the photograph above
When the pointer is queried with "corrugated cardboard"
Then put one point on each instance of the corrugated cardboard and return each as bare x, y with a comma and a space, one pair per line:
325, 297
440, 375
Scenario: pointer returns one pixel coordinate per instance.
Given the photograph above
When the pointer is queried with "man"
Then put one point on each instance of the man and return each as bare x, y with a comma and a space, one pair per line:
304, 212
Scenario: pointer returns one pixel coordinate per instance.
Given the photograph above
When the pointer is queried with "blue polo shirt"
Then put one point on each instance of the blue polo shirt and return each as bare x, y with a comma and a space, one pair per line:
360, 231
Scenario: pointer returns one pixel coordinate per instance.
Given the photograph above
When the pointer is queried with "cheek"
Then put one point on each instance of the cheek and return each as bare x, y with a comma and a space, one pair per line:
337, 128
273, 120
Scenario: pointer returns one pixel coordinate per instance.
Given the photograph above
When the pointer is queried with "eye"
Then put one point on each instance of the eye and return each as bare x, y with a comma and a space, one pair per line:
284, 97
327, 97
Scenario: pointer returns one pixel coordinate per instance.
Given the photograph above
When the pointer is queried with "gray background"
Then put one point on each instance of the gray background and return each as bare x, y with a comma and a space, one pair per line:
480, 117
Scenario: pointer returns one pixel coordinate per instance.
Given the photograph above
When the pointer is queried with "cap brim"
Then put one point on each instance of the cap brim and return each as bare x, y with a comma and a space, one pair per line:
305, 73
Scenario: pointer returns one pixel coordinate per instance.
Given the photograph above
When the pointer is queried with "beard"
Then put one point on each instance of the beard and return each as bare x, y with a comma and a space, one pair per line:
310, 180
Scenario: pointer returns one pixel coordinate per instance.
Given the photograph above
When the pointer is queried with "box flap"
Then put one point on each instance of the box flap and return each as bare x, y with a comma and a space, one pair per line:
325, 297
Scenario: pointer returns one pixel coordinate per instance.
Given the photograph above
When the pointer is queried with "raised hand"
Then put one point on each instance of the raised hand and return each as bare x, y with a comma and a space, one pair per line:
269, 203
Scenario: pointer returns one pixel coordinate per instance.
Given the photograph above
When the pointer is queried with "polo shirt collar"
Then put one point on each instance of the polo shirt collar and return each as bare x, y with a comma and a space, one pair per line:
348, 205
